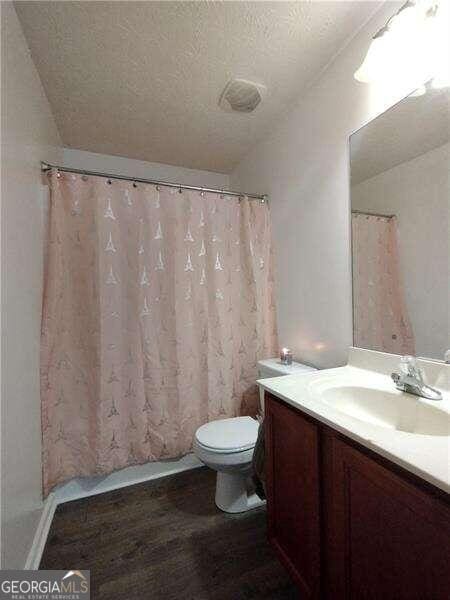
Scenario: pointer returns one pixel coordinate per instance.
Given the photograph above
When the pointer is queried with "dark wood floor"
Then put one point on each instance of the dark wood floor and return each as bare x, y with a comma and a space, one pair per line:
166, 539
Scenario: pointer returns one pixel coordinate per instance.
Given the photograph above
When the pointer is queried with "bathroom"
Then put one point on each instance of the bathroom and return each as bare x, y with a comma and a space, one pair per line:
200, 196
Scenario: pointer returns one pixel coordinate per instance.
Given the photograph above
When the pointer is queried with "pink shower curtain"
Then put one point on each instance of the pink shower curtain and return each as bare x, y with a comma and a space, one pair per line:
157, 306
380, 317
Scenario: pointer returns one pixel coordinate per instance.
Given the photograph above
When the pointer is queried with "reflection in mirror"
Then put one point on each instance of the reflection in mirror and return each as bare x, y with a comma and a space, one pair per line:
400, 202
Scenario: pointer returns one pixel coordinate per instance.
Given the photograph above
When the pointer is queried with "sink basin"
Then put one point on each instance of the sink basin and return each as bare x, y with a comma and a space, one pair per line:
388, 409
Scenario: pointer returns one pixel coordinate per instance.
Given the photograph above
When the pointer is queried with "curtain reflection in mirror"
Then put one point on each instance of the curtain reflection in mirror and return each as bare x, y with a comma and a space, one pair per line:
381, 320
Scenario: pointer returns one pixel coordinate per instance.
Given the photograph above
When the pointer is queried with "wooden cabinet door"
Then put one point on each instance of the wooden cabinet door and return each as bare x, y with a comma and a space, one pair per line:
385, 537
292, 478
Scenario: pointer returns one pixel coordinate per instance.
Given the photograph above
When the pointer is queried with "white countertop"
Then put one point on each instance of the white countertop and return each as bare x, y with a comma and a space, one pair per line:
427, 456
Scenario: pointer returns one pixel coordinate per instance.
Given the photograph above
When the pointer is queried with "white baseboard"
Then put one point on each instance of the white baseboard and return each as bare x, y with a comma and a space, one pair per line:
40, 537
90, 486
83, 487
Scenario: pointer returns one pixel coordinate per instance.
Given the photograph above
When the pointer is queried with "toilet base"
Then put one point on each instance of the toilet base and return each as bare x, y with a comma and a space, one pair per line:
233, 493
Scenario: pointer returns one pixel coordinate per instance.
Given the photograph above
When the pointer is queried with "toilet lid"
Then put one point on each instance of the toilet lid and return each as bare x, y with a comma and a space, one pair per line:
229, 435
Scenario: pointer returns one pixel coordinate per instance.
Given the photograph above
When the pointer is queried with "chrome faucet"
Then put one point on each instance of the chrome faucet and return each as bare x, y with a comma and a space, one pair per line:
410, 380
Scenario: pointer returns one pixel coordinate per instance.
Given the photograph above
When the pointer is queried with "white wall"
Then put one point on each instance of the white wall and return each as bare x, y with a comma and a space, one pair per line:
28, 135
304, 167
418, 192
91, 161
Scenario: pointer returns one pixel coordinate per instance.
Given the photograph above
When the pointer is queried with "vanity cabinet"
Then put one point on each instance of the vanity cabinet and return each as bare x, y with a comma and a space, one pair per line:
293, 501
384, 536
347, 523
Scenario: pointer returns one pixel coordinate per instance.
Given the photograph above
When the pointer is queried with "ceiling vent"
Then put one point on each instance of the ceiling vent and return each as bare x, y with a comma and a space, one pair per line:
241, 95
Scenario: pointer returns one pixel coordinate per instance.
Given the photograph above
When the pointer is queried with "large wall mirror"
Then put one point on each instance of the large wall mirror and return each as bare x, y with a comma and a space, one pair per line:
400, 203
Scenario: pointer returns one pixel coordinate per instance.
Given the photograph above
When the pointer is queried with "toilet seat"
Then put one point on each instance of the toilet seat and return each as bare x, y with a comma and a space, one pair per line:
228, 436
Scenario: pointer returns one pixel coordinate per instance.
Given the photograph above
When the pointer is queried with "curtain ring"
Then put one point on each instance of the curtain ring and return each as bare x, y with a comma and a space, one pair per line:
134, 184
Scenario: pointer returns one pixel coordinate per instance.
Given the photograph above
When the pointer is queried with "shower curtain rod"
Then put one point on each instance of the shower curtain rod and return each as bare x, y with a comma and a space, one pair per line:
372, 214
48, 167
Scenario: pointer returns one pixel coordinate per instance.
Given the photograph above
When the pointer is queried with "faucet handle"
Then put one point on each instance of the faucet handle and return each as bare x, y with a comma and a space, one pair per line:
408, 366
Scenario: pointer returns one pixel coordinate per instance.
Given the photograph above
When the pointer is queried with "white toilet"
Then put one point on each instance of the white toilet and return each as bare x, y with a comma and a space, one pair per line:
227, 447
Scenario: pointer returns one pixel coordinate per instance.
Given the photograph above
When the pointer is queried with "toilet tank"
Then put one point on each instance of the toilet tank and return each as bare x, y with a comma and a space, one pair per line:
272, 367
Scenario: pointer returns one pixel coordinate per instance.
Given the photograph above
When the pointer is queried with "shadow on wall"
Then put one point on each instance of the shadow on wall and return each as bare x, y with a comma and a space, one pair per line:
250, 401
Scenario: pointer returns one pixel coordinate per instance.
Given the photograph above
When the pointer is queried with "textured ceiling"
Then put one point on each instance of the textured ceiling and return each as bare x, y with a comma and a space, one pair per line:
142, 79
412, 127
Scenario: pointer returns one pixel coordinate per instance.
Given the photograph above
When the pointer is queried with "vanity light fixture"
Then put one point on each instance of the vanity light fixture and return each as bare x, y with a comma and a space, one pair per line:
413, 43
